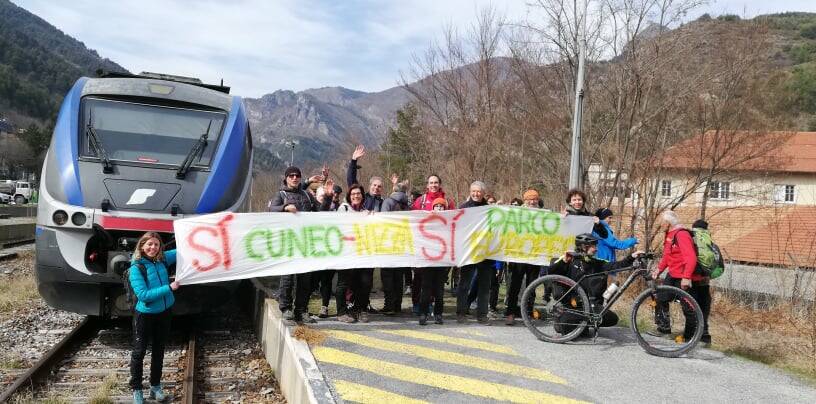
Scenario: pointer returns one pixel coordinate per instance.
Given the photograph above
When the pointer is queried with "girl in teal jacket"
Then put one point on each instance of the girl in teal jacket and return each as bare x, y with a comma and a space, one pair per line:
151, 318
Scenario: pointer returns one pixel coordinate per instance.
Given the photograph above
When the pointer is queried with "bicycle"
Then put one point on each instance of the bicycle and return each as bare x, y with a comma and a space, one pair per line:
565, 310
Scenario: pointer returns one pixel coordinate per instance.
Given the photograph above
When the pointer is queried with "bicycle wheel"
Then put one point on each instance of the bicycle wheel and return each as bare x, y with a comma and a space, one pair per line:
667, 321
561, 312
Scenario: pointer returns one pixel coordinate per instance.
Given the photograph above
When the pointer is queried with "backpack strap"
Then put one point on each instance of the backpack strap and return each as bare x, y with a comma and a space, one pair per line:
142, 270
674, 238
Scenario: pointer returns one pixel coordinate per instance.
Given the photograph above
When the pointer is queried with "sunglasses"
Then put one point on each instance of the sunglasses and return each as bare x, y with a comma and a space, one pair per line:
293, 176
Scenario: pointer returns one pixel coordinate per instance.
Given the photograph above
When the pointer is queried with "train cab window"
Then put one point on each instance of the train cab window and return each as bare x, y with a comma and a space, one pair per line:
149, 134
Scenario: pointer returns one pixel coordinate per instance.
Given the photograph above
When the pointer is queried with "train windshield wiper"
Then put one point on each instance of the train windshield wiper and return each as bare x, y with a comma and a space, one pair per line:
197, 149
96, 144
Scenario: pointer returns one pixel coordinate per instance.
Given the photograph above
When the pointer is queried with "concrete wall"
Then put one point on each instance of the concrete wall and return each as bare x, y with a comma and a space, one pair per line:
15, 229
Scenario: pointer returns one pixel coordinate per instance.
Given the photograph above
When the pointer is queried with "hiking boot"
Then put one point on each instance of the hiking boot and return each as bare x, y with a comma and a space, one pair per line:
438, 319
345, 318
363, 317
510, 320
484, 321
659, 332
423, 319
324, 312
138, 397
288, 314
157, 394
461, 318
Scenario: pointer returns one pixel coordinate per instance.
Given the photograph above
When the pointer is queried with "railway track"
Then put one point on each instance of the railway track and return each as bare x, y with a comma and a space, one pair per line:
202, 364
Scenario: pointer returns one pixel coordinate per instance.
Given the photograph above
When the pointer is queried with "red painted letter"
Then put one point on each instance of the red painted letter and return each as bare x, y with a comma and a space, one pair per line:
444, 248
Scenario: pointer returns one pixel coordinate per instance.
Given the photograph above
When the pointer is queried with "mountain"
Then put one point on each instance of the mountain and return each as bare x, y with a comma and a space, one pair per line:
38, 64
322, 119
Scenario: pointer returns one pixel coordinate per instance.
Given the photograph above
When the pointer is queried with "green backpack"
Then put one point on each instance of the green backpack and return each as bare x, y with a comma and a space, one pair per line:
709, 259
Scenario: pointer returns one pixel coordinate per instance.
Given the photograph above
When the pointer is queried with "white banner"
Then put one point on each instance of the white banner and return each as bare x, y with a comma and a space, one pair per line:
229, 246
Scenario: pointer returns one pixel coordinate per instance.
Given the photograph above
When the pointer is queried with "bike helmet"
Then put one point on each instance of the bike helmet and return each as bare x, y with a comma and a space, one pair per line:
585, 240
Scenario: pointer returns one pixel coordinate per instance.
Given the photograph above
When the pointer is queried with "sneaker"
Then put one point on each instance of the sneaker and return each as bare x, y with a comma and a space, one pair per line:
324, 312
157, 394
345, 318
423, 319
461, 318
510, 320
363, 317
493, 315
438, 319
472, 306
484, 321
288, 314
138, 397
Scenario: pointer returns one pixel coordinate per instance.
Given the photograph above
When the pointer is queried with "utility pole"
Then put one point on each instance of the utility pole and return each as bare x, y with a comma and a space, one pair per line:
291, 143
575, 158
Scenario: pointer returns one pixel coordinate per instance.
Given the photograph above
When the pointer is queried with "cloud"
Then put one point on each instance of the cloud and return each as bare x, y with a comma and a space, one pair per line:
259, 46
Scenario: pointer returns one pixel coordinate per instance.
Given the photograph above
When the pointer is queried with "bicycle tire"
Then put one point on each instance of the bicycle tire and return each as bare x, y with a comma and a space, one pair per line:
550, 310
661, 346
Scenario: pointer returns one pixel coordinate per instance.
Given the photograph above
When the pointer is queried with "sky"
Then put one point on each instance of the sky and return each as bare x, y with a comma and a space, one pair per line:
259, 46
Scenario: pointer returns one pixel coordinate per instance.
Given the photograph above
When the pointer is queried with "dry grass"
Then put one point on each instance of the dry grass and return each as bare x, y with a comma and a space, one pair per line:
312, 336
781, 335
18, 289
103, 392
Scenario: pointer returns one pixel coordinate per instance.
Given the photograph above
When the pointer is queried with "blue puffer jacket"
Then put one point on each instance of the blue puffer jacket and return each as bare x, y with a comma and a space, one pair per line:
607, 245
154, 294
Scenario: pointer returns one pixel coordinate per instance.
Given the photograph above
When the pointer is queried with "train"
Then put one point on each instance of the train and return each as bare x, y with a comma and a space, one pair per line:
131, 153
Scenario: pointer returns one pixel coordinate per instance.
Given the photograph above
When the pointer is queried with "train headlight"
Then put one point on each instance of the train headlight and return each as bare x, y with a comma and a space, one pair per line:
78, 218
60, 217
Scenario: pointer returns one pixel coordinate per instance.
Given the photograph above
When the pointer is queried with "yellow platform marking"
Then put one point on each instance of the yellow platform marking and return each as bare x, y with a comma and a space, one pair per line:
448, 357
468, 343
459, 384
368, 395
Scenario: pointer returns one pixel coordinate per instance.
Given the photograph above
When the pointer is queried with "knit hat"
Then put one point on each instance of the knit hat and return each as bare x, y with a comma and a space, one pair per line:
292, 170
700, 224
530, 194
603, 213
440, 201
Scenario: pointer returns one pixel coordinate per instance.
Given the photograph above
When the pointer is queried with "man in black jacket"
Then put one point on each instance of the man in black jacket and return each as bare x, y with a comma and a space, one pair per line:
392, 278
575, 265
292, 198
482, 270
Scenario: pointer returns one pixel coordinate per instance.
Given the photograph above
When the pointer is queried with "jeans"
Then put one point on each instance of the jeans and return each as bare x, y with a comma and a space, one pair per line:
483, 272
433, 285
392, 279
303, 291
519, 273
153, 329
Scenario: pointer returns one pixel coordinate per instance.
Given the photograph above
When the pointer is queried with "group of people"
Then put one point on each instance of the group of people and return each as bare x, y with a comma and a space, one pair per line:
153, 289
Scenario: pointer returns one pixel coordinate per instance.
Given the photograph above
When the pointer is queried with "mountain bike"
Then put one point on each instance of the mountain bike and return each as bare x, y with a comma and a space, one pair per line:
659, 314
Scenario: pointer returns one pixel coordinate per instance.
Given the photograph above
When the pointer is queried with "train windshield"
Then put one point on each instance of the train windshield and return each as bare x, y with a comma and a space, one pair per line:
148, 133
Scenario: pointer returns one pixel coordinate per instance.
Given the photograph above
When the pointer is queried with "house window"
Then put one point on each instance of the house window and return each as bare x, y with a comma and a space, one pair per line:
719, 190
665, 188
784, 193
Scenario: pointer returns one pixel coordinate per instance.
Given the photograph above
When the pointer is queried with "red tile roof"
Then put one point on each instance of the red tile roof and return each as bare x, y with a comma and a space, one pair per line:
752, 151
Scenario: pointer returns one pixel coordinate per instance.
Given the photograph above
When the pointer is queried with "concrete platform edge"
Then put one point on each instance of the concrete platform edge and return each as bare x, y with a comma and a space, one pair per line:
300, 379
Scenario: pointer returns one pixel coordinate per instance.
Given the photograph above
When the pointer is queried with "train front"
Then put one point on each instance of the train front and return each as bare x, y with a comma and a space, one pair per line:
129, 155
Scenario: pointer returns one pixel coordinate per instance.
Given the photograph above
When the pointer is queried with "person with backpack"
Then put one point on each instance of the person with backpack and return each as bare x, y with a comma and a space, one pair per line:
292, 198
392, 278
680, 259
150, 285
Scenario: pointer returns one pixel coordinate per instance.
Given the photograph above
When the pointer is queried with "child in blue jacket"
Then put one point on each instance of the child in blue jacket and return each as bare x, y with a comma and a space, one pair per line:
151, 317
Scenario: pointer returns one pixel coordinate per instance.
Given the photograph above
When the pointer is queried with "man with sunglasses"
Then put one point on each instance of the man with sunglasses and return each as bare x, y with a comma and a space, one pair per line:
293, 198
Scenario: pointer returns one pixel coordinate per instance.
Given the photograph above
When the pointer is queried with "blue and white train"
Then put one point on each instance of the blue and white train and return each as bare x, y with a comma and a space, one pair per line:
130, 154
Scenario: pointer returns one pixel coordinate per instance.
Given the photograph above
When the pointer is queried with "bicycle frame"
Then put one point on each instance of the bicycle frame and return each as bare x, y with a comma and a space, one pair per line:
640, 270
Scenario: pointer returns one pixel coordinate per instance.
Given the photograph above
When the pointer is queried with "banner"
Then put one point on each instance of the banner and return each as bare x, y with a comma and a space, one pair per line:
228, 246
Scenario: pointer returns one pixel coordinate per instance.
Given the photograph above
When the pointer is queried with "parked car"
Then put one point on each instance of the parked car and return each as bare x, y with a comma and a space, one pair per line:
5, 198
